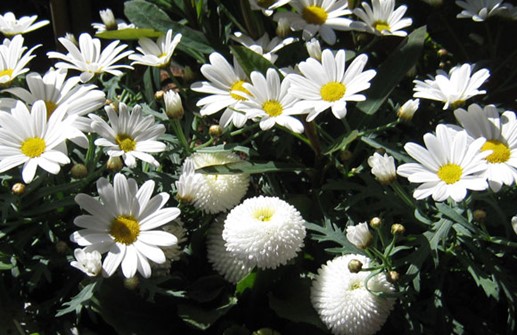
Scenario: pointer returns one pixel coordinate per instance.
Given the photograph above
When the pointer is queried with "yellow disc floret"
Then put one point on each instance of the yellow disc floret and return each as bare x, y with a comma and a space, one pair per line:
500, 151
51, 107
125, 142
125, 229
33, 147
272, 108
332, 91
314, 15
450, 173
238, 86
264, 214
381, 26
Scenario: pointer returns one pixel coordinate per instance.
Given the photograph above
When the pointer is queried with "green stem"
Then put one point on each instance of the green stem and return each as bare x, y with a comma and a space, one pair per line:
206, 144
380, 128
178, 130
402, 194
312, 135
244, 129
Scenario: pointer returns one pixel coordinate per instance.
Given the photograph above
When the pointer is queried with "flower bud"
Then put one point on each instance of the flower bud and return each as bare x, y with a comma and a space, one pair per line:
393, 276
345, 155
131, 283
61, 247
188, 74
18, 188
514, 224
375, 222
114, 164
283, 28
173, 106
215, 130
408, 109
479, 215
355, 265
158, 95
88, 262
313, 48
383, 168
79, 171
108, 19
359, 235
397, 229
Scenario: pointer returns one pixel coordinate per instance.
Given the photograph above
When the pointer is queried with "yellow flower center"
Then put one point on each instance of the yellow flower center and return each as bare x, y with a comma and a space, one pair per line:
314, 15
381, 25
264, 214
51, 107
33, 147
6, 72
355, 285
272, 108
125, 142
238, 86
265, 3
500, 151
450, 173
125, 229
332, 91
457, 104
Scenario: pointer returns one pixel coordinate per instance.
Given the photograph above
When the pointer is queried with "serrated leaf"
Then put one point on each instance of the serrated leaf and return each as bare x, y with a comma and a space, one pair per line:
332, 233
251, 168
77, 301
129, 34
251, 61
343, 142
201, 317
441, 232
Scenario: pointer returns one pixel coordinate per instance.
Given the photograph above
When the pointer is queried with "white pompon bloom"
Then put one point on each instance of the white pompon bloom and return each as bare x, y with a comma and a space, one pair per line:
454, 88
267, 6
382, 18
359, 235
156, 54
383, 168
264, 46
448, 166
123, 223
88, 262
408, 109
10, 25
480, 10
109, 22
188, 183
264, 231
13, 60
344, 302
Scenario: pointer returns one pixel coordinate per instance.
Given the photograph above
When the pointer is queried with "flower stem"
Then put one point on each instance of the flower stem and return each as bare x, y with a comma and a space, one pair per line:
178, 130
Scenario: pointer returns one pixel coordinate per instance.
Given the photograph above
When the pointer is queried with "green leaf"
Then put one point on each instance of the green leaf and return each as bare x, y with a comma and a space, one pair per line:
343, 142
203, 317
332, 233
246, 283
393, 70
129, 34
251, 168
77, 301
251, 61
441, 232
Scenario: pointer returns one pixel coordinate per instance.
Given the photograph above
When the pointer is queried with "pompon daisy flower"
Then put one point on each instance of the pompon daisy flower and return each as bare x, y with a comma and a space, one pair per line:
188, 183
90, 58
480, 10
267, 6
156, 54
13, 59
448, 166
264, 231
26, 137
264, 45
218, 192
344, 302
131, 135
122, 223
223, 80
10, 25
223, 261
326, 84
88, 262
454, 88
269, 102
383, 168
109, 22
500, 132
382, 18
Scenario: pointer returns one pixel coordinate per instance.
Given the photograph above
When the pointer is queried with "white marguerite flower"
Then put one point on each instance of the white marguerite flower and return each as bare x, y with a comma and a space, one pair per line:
382, 18
408, 109
13, 60
88, 262
326, 84
383, 168
123, 223
109, 22
223, 80
90, 58
188, 183
318, 17
156, 54
454, 88
10, 25
359, 235
26, 137
500, 132
131, 134
173, 106
344, 302
269, 102
267, 6
264, 231
448, 166
480, 10
264, 45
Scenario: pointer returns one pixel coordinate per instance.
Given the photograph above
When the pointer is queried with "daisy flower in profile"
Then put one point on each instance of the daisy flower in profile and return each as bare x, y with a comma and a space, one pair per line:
156, 54
13, 59
500, 132
224, 80
454, 88
26, 137
264, 231
88, 262
123, 222
188, 182
382, 18
318, 17
326, 84
344, 302
264, 45
383, 168
448, 166
10, 25
270, 103
131, 135
480, 10
267, 6
109, 22
90, 58
359, 235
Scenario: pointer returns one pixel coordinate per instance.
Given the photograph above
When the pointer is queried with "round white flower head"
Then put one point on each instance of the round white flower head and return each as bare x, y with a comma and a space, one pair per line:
122, 223
383, 168
173, 106
88, 262
359, 235
218, 192
13, 59
480, 10
156, 54
343, 301
408, 109
264, 231
500, 133
267, 6
109, 22
10, 25
223, 261
448, 166
264, 46
454, 88
382, 18
131, 135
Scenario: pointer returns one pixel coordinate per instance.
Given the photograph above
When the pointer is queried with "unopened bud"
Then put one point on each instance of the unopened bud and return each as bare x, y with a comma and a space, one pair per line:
393, 276
188, 74
158, 95
131, 283
283, 28
173, 106
18, 188
215, 130
408, 109
397, 229
345, 155
479, 215
442, 52
61, 247
114, 164
355, 266
375, 222
108, 19
79, 171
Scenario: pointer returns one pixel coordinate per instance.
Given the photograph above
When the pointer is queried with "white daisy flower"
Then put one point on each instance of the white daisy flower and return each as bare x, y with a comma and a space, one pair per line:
156, 54
318, 17
217, 193
359, 235
480, 10
269, 102
408, 109
109, 22
28, 138
131, 135
122, 223
448, 166
383, 168
326, 84
454, 88
223, 80
88, 262
264, 231
10, 25
382, 18
90, 58
344, 302
264, 45
500, 133
188, 183
13, 60
267, 6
